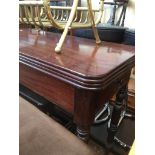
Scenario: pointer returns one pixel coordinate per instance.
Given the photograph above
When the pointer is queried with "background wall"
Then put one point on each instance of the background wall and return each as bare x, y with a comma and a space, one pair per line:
130, 13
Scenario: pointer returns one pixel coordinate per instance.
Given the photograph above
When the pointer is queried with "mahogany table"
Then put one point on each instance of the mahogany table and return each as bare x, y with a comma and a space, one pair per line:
80, 79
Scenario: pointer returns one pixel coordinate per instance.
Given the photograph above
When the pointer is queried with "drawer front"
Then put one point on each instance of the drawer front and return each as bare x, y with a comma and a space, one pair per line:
50, 88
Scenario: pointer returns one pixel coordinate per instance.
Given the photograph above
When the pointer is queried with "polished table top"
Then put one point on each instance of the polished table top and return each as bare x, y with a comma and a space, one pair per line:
82, 62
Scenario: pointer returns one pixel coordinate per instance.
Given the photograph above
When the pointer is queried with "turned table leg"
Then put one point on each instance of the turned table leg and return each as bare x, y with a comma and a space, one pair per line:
84, 111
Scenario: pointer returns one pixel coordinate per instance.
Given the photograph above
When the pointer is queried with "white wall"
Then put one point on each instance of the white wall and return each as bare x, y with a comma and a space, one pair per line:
130, 12
130, 15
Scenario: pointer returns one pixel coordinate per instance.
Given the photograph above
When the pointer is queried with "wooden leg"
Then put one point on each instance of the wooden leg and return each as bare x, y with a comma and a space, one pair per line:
67, 27
98, 41
84, 111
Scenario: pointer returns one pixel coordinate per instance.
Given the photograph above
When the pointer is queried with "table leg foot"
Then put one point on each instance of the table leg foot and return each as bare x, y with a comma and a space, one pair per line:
82, 134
